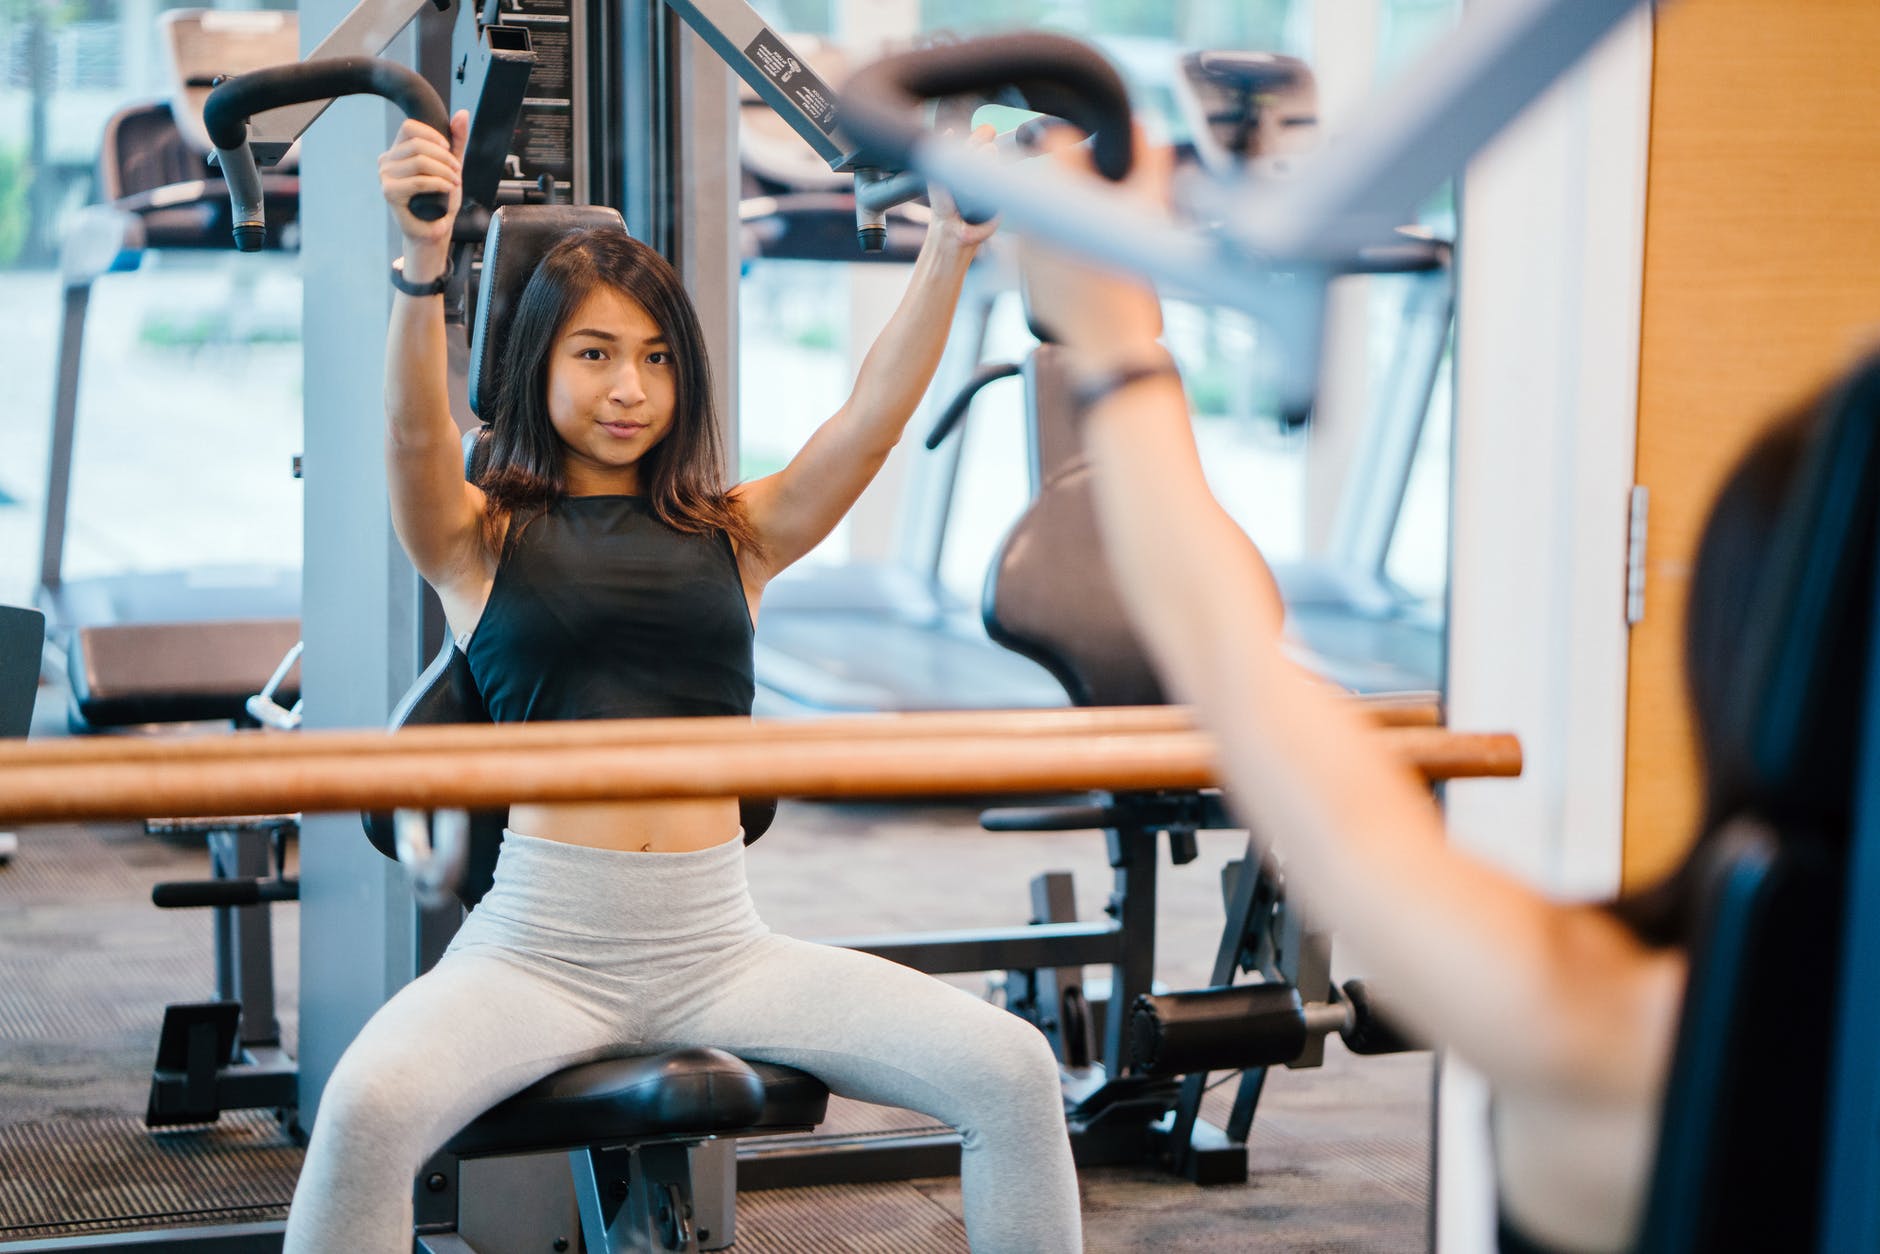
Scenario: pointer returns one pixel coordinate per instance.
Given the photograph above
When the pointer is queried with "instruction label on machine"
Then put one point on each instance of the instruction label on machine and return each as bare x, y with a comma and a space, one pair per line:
544, 138
794, 79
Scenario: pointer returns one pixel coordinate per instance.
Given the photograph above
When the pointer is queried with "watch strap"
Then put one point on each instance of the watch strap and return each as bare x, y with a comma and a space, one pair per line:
433, 288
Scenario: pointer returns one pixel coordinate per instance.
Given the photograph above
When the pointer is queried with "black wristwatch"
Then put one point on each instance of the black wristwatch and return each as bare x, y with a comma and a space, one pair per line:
1091, 390
434, 288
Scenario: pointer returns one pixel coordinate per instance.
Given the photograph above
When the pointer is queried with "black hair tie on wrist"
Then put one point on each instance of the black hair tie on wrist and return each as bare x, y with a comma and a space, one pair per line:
1094, 391
434, 288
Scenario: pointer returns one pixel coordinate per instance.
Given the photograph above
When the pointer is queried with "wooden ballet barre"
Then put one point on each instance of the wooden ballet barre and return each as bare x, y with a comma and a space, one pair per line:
1415, 710
751, 759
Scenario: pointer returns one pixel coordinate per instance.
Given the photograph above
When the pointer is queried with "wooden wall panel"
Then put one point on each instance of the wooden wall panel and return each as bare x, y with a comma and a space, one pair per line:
1762, 277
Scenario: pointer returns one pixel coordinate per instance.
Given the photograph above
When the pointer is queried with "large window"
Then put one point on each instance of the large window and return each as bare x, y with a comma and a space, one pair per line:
190, 395
1293, 490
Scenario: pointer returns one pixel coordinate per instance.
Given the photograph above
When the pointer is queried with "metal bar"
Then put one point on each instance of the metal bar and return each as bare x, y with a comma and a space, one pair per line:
1132, 902
245, 937
1347, 197
262, 1238
737, 766
264, 1084
992, 949
1246, 1101
1418, 132
1372, 500
801, 1161
759, 56
64, 426
933, 482
1240, 909
1411, 711
881, 195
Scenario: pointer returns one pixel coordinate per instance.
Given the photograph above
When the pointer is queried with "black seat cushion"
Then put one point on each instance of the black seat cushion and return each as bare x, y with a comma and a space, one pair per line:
792, 1098
680, 1093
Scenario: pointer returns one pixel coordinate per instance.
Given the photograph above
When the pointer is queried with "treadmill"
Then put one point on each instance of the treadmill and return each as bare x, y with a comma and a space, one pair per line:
187, 644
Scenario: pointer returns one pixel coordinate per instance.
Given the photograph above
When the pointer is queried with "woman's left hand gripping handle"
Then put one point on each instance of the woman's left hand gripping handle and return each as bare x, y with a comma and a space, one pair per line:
421, 175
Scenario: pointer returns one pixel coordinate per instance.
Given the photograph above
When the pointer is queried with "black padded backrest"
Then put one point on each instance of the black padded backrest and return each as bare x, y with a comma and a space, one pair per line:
1743, 1141
22, 636
1049, 595
519, 237
447, 693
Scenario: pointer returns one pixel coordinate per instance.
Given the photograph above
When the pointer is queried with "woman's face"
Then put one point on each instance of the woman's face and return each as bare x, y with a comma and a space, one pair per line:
612, 383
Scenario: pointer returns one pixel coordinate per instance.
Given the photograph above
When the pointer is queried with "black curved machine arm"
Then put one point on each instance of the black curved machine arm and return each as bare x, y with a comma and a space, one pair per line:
881, 109
951, 416
236, 100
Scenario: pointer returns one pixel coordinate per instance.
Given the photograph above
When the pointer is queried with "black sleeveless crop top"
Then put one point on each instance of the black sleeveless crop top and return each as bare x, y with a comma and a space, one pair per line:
600, 610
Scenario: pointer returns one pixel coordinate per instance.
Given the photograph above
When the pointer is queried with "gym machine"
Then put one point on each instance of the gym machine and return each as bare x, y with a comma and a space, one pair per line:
226, 1054
189, 644
1258, 110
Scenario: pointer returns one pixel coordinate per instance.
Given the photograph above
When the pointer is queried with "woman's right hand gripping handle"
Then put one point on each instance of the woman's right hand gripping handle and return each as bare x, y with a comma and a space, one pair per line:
421, 160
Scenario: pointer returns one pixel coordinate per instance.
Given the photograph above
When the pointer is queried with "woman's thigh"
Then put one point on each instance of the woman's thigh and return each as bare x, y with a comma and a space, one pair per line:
476, 1028
869, 1028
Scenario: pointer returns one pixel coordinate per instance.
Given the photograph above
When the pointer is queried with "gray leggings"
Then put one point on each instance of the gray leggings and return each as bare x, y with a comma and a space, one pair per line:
580, 953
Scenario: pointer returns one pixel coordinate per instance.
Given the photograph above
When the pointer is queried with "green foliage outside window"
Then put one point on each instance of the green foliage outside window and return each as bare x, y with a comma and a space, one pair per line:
16, 182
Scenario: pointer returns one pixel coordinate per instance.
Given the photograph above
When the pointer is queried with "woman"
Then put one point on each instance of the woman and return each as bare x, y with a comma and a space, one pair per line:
598, 568
1569, 1009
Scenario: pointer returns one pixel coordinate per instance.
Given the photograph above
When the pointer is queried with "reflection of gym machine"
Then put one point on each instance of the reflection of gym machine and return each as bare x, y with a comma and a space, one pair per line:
187, 644
1134, 1061
1258, 112
226, 1054
1767, 1136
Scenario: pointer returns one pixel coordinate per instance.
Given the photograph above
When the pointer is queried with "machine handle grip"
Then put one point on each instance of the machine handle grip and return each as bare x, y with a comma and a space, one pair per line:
950, 417
227, 110
881, 107
193, 894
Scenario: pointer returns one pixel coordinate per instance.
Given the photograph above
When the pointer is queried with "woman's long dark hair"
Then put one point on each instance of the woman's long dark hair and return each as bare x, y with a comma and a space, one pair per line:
518, 461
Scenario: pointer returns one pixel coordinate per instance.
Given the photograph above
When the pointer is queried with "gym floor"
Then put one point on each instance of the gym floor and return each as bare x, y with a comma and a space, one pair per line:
1338, 1161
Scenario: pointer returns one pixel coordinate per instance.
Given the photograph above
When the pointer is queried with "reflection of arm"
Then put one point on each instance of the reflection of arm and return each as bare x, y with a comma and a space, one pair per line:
1561, 998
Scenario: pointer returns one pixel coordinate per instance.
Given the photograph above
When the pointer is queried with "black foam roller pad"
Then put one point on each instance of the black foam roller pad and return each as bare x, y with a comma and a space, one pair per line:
1217, 1029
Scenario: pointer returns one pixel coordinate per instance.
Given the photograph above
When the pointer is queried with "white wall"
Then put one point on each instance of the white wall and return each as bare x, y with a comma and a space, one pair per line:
1553, 222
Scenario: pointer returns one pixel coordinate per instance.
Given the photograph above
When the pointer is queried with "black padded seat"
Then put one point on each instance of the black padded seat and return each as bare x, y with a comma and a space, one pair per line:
683, 1093
126, 673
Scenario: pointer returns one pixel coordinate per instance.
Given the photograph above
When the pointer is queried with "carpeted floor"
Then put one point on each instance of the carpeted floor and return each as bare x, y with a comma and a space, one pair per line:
1338, 1158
